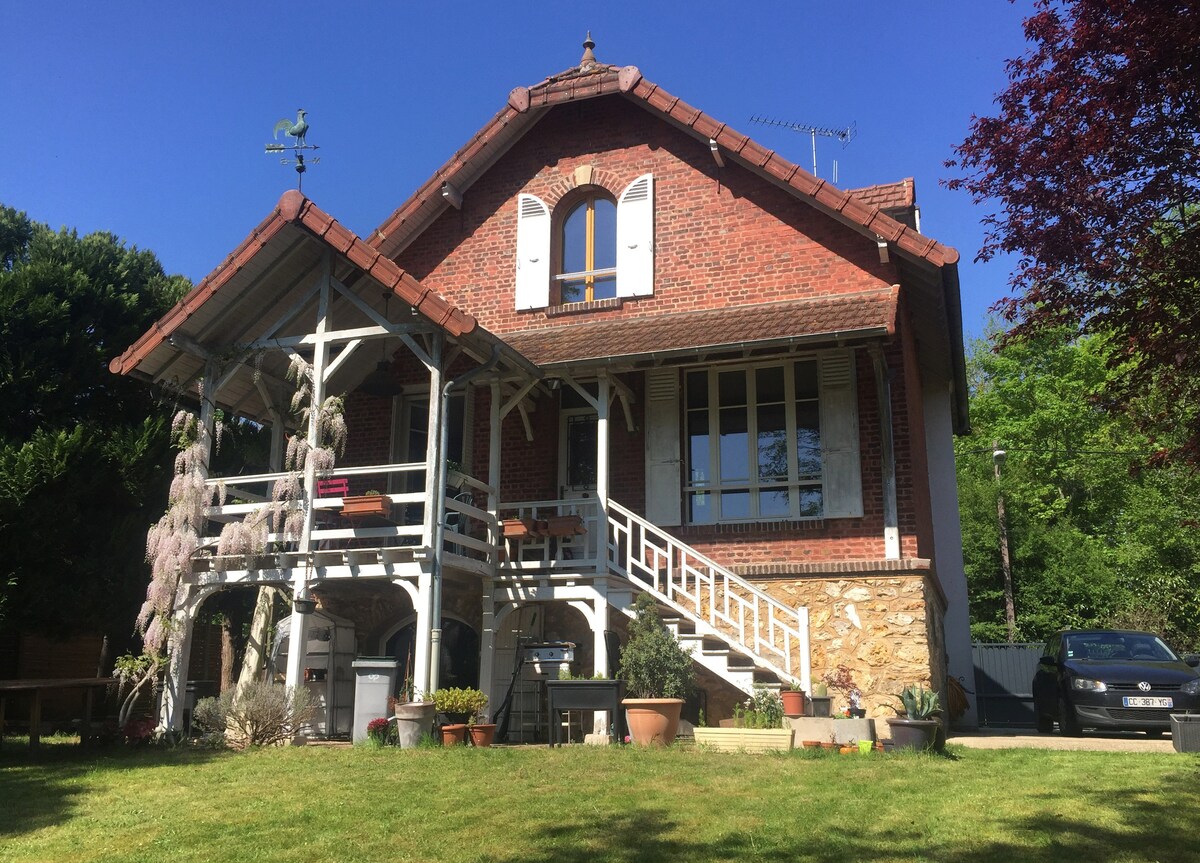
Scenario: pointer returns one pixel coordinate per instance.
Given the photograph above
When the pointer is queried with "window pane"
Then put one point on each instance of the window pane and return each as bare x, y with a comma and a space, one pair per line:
806, 379
769, 383
604, 288
697, 389
734, 453
581, 451
772, 443
574, 234
809, 500
773, 504
700, 507
731, 388
606, 234
698, 446
735, 504
808, 439
573, 291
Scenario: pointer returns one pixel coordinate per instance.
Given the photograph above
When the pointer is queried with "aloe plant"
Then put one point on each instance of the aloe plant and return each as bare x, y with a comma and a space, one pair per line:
919, 702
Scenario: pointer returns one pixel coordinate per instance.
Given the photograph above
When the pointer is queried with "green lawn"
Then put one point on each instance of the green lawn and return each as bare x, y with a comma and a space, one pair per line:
578, 804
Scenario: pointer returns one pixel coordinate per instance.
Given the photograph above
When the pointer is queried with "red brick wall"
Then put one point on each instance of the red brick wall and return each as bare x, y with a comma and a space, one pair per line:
723, 237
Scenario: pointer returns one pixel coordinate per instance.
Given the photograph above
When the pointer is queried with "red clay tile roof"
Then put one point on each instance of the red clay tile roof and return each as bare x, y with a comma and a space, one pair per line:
577, 84
294, 208
889, 196
844, 315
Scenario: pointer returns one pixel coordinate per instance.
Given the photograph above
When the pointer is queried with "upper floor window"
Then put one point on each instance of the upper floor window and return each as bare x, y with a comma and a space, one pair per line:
603, 248
588, 239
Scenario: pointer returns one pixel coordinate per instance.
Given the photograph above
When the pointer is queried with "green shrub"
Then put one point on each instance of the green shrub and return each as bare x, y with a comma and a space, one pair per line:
265, 714
653, 662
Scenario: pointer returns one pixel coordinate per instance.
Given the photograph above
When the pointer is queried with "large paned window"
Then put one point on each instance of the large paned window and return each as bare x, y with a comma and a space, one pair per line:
589, 251
753, 437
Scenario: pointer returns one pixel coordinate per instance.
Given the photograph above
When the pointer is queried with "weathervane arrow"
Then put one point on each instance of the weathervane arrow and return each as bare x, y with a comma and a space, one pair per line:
296, 131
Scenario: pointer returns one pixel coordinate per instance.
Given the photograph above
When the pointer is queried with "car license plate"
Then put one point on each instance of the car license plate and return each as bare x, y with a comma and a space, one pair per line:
1145, 701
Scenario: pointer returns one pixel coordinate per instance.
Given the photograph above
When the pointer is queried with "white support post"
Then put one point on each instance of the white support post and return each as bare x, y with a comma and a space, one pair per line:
422, 646
487, 646
298, 642
495, 427
603, 401
601, 718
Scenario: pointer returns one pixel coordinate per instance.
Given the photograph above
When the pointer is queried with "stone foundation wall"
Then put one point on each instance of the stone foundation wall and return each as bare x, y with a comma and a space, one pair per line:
884, 627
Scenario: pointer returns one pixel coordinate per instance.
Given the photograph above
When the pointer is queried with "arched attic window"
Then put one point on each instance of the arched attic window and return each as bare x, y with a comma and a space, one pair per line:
600, 248
587, 248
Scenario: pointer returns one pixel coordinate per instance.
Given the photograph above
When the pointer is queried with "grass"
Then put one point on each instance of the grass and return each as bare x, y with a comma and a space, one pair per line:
594, 804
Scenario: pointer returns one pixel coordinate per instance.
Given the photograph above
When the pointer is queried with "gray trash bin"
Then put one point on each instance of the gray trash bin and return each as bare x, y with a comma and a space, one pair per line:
374, 681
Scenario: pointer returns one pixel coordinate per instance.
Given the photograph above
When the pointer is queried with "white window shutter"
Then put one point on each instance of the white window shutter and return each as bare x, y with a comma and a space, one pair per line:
663, 466
635, 239
533, 252
839, 436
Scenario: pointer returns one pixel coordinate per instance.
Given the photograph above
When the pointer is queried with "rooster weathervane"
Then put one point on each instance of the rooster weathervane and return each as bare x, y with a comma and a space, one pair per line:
297, 132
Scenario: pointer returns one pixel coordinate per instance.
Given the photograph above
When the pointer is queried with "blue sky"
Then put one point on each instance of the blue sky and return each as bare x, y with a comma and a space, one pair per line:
148, 119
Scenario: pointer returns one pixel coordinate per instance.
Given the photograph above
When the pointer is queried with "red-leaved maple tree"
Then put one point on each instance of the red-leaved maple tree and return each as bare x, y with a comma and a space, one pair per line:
1094, 159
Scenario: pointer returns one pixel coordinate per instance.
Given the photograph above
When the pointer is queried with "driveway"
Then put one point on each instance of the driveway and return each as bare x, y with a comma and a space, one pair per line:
1091, 741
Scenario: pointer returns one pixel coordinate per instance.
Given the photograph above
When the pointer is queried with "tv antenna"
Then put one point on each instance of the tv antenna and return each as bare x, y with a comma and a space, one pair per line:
844, 135
296, 131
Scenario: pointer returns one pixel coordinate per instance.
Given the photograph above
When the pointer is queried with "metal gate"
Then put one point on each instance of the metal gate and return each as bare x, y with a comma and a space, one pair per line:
1004, 683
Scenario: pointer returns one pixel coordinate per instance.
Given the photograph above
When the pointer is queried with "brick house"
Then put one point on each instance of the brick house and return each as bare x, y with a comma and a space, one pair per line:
616, 347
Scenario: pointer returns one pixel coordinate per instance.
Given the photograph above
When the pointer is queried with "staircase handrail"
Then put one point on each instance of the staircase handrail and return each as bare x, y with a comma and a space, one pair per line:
785, 627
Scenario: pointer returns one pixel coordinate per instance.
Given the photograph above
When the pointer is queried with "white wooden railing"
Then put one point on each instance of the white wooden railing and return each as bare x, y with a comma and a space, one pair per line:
539, 550
469, 528
735, 610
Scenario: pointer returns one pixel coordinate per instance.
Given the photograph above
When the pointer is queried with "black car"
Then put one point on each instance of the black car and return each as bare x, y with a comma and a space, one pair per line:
1112, 679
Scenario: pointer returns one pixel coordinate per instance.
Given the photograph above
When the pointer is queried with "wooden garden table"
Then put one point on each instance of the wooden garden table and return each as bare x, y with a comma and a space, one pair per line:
37, 687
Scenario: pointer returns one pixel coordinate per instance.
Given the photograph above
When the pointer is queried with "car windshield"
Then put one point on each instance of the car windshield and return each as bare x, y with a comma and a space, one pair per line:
1110, 646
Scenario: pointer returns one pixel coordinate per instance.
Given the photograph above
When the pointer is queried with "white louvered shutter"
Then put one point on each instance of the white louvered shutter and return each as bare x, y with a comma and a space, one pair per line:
635, 239
533, 253
839, 436
663, 471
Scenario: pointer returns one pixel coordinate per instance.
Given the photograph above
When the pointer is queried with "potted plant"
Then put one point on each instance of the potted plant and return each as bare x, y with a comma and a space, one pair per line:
378, 731
370, 504
658, 674
918, 726
457, 706
843, 681
414, 719
793, 699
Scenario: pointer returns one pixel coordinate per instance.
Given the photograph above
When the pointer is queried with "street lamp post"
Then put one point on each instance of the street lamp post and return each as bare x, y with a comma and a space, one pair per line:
1010, 613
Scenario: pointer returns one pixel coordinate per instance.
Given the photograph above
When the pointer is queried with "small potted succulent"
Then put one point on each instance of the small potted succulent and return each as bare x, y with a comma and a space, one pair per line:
918, 726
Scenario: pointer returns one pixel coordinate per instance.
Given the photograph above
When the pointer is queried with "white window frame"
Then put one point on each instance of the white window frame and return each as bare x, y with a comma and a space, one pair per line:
752, 484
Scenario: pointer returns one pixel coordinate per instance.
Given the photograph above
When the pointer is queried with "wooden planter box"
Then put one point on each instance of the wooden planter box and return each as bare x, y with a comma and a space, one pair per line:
564, 525
517, 528
363, 505
746, 739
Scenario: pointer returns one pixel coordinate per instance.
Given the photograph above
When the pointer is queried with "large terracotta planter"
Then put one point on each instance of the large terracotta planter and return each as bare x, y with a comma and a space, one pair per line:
793, 702
454, 735
653, 721
918, 734
413, 720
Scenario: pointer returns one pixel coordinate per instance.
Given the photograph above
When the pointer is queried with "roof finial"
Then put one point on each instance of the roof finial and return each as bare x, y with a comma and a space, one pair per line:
588, 59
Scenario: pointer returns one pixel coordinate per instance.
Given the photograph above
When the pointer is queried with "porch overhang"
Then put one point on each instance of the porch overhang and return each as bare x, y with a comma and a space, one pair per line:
818, 321
264, 296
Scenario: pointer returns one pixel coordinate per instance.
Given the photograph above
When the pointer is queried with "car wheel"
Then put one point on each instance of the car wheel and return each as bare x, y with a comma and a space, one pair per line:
1068, 722
1045, 724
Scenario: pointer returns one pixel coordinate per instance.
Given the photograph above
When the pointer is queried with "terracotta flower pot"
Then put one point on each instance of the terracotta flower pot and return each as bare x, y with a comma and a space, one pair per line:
454, 735
483, 734
793, 702
653, 721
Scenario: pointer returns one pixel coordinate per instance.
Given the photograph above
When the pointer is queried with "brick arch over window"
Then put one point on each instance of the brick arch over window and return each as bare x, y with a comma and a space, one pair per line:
581, 176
